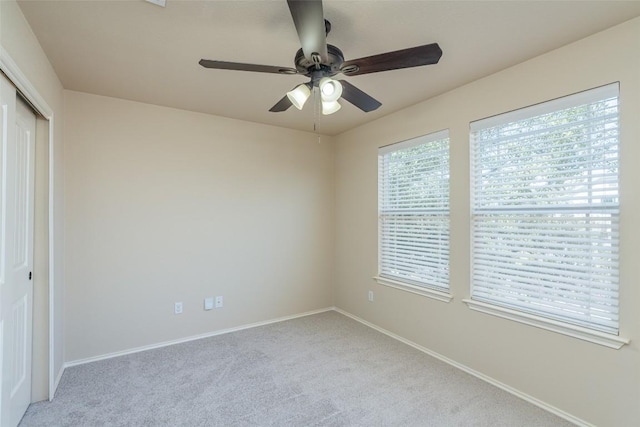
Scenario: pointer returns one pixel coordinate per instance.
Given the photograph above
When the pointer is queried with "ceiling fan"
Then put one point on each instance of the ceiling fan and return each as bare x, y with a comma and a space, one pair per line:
321, 61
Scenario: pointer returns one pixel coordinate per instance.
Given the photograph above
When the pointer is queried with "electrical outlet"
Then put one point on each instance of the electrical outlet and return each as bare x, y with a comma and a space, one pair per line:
370, 296
219, 302
208, 303
178, 308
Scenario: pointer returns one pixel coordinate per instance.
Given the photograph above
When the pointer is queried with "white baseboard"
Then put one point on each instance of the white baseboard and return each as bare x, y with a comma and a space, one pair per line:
190, 338
539, 403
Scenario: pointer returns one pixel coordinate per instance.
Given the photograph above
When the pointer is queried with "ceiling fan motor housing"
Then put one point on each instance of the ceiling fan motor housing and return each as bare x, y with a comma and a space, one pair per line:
330, 67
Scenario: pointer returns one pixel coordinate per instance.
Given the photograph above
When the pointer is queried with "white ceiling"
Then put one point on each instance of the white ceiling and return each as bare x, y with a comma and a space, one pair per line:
138, 51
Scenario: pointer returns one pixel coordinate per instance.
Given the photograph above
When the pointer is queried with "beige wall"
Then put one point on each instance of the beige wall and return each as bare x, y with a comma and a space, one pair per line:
594, 383
17, 39
165, 205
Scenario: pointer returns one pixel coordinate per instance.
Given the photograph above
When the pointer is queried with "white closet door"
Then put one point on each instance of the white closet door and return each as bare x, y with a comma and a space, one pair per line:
17, 167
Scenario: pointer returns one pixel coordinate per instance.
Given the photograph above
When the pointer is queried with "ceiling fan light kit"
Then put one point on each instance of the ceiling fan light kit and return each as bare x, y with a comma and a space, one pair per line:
330, 90
299, 95
330, 107
320, 61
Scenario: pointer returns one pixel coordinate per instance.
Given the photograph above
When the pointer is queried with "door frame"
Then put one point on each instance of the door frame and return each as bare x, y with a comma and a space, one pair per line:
27, 90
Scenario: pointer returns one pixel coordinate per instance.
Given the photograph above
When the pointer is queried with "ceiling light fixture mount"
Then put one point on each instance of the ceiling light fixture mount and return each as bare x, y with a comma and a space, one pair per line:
161, 3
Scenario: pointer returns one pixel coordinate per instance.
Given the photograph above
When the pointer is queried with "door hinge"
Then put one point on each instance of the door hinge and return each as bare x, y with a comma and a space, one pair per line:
29, 275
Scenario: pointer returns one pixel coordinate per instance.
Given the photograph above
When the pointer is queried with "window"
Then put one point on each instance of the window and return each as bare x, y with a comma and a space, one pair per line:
413, 212
544, 184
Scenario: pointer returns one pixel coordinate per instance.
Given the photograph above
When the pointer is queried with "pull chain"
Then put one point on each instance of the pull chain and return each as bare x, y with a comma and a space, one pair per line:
316, 111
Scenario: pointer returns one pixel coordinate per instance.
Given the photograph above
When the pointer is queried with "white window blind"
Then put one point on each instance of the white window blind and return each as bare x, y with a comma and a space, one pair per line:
413, 207
545, 209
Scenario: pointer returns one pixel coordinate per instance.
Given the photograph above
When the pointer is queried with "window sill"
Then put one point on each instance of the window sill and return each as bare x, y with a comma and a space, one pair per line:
601, 338
425, 292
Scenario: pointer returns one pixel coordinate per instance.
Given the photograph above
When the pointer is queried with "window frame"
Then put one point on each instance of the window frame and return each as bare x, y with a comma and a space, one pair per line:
531, 317
420, 288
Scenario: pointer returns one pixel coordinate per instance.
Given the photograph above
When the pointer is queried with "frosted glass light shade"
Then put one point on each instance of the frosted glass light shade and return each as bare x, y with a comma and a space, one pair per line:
330, 90
330, 107
299, 96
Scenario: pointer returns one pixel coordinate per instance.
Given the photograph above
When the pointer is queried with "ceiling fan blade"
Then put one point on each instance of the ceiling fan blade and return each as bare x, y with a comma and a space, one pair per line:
238, 66
406, 58
358, 98
308, 18
281, 105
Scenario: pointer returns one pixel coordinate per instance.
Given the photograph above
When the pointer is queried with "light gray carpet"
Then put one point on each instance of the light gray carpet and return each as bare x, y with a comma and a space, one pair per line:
319, 370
